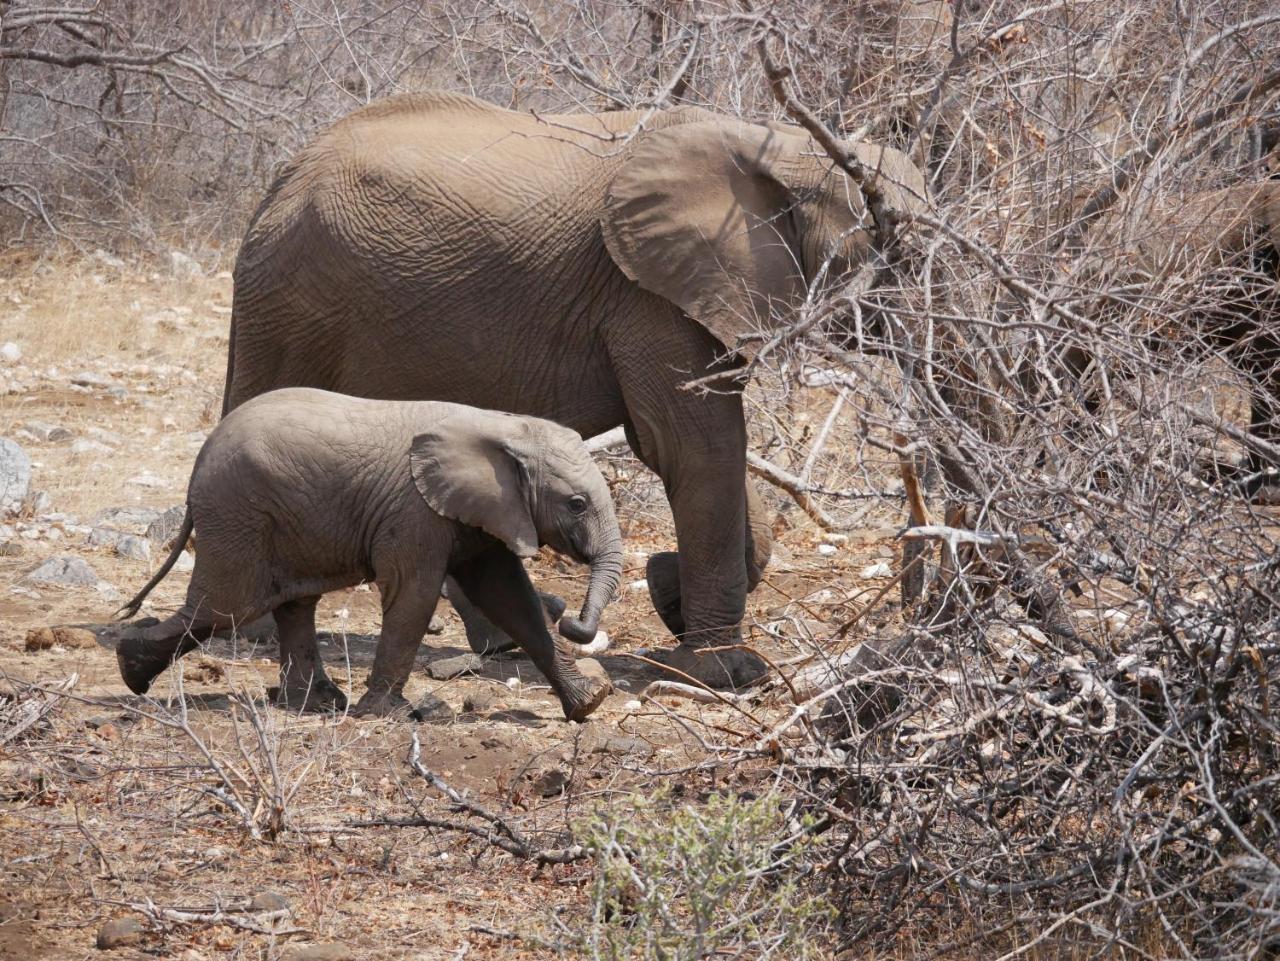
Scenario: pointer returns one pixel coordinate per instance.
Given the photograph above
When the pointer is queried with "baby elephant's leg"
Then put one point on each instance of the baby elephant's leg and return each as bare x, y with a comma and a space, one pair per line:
497, 583
406, 615
304, 685
483, 635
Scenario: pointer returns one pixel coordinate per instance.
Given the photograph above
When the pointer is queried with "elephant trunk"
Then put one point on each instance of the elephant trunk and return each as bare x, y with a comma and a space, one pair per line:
606, 574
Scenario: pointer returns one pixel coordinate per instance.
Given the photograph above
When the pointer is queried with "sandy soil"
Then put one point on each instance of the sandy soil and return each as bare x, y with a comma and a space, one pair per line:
113, 806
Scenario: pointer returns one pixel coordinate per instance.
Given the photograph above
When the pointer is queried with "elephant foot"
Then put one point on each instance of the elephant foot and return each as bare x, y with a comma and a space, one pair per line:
663, 575
141, 660
311, 696
383, 704
583, 697
723, 669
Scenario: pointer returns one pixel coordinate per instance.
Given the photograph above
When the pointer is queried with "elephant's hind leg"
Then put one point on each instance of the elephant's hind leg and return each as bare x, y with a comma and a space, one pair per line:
304, 685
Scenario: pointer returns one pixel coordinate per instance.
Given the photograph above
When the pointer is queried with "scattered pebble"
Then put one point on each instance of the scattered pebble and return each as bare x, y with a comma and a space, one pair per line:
185, 562
639, 585
551, 782
15, 474
451, 667
66, 571
84, 445
49, 433
432, 710
265, 901
831, 537
879, 569
826, 550
10, 352
147, 479
599, 644
119, 933
632, 706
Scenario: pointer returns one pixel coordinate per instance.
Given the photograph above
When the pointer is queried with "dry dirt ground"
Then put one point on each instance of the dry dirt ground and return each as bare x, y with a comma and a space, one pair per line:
204, 797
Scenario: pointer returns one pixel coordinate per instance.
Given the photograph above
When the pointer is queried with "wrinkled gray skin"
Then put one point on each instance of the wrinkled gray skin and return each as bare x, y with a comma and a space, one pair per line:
301, 491
434, 246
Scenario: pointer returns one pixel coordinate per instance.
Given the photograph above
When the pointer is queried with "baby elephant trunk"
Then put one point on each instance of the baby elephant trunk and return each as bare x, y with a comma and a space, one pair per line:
606, 574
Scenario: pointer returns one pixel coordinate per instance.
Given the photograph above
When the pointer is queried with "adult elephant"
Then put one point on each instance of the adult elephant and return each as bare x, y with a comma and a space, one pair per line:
435, 246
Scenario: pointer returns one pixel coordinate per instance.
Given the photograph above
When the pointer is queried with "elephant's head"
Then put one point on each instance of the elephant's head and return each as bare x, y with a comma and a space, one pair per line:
724, 219
526, 482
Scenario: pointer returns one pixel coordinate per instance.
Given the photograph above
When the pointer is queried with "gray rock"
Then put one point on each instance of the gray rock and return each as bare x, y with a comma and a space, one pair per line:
87, 378
10, 352
15, 474
119, 933
164, 528
265, 901
478, 702
37, 502
185, 562
451, 667
131, 545
183, 265
322, 952
624, 746
432, 710
551, 782
106, 436
131, 520
83, 445
50, 433
64, 571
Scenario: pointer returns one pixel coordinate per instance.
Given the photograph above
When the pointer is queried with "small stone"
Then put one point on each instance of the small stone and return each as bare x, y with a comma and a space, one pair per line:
599, 644
11, 549
147, 479
119, 933
106, 436
624, 746
132, 520
66, 571
321, 952
640, 585
269, 901
15, 474
551, 782
45, 638
478, 703
632, 706
185, 562
87, 378
137, 548
432, 710
831, 537
83, 445
880, 569
164, 528
49, 433
451, 667
37, 502
826, 550
592, 668
10, 352
184, 266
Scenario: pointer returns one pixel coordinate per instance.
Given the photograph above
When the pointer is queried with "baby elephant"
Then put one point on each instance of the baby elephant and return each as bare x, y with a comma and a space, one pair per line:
300, 491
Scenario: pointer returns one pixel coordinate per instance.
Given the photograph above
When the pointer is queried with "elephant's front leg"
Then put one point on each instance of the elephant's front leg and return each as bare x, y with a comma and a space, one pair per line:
407, 606
499, 586
483, 636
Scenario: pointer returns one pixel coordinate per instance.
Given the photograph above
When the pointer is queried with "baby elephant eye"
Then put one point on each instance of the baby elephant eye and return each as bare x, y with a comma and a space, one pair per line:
577, 504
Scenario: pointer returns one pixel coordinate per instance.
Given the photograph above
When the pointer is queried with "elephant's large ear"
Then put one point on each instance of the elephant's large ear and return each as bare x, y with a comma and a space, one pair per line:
468, 468
699, 214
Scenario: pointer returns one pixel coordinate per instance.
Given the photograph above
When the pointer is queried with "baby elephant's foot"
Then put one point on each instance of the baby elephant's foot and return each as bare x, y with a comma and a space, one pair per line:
382, 704
313, 696
583, 696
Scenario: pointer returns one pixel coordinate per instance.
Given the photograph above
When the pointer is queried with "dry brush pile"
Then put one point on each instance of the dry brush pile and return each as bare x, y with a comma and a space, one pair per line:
1065, 736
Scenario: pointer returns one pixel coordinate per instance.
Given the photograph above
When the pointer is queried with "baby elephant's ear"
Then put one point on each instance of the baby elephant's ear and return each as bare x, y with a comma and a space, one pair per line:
464, 471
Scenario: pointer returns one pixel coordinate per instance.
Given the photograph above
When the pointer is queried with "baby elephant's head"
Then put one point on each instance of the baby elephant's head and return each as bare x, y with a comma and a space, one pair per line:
527, 482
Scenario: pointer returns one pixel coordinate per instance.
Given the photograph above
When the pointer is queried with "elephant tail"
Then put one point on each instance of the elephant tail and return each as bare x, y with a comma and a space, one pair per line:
179, 545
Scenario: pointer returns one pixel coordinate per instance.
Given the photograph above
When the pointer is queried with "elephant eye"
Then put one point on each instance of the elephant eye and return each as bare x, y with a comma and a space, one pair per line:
577, 504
